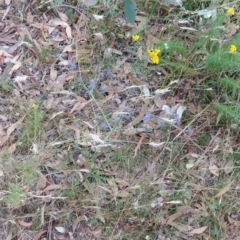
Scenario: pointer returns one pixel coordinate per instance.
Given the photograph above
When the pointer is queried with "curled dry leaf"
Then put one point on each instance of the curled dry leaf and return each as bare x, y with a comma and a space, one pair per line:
24, 224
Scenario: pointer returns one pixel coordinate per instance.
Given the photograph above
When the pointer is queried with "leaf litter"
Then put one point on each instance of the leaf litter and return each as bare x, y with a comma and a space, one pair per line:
94, 103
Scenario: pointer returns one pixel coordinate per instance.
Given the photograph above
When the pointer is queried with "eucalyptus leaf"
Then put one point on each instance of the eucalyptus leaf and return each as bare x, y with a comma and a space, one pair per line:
129, 10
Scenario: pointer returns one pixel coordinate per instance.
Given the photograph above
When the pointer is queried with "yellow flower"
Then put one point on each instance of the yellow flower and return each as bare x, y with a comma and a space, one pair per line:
233, 49
231, 11
135, 38
153, 55
34, 105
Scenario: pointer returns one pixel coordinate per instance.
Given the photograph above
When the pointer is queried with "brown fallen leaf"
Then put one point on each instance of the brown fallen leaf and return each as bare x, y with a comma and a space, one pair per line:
14, 68
231, 29
108, 172
111, 89
96, 232
223, 190
122, 183
228, 168
198, 231
80, 105
53, 187
182, 228
182, 210
214, 170
233, 222
42, 182
63, 16
24, 224
122, 194
137, 81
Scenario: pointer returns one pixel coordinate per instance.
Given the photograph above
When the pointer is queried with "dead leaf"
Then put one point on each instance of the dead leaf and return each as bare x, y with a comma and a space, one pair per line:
228, 168
122, 183
69, 31
60, 229
182, 228
122, 194
111, 89
96, 232
193, 108
15, 125
223, 190
176, 215
24, 224
58, 22
63, 16
198, 231
108, 172
53, 187
42, 182
80, 105
231, 29
137, 81
233, 222
53, 73
29, 18
214, 170
14, 68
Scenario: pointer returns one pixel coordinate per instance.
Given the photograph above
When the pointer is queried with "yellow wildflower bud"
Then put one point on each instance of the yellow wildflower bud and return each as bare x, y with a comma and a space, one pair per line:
233, 49
34, 105
231, 11
135, 38
153, 56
